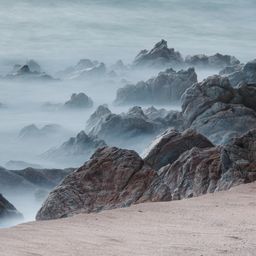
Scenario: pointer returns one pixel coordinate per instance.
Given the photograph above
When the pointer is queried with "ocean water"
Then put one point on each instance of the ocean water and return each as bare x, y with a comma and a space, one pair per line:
59, 32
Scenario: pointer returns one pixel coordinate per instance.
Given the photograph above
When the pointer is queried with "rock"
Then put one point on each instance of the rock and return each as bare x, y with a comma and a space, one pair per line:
112, 178
19, 165
7, 210
168, 146
217, 110
206, 170
126, 128
33, 132
33, 66
242, 74
216, 61
166, 88
29, 71
85, 68
76, 150
159, 56
79, 100
29, 180
115, 177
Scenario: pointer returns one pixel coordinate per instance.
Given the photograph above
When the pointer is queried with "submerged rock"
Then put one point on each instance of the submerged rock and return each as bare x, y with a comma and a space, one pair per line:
7, 210
216, 61
30, 71
33, 132
166, 88
76, 150
85, 68
219, 111
159, 56
80, 100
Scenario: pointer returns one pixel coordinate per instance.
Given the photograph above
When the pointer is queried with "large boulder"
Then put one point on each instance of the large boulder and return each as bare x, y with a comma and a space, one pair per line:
75, 151
206, 170
159, 56
168, 146
166, 88
79, 100
219, 111
111, 178
7, 210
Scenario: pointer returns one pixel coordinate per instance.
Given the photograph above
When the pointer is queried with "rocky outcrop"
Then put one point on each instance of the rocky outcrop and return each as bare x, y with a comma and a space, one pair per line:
30, 71
29, 180
111, 178
118, 178
85, 68
166, 88
206, 170
168, 146
216, 61
127, 127
7, 210
80, 100
219, 111
76, 150
241, 74
159, 56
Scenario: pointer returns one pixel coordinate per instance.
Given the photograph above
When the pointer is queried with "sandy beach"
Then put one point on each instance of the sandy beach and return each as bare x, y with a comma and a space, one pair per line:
223, 223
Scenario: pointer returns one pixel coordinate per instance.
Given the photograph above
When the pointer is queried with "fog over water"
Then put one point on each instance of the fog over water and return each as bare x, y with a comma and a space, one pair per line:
58, 33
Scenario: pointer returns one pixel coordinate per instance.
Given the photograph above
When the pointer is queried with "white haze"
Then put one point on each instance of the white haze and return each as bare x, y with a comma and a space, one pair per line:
57, 33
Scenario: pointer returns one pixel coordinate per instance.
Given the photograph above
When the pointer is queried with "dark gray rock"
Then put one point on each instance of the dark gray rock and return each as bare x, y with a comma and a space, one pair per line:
159, 56
219, 111
216, 61
166, 88
7, 210
79, 100
76, 150
241, 74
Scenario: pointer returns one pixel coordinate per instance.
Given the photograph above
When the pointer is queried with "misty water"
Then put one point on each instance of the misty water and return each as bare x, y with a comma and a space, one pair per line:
58, 33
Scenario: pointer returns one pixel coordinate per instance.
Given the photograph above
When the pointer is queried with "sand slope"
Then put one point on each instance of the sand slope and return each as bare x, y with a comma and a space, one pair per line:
218, 224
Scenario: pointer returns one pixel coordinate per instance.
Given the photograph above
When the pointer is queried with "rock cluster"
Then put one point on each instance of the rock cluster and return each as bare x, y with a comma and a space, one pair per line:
136, 122
118, 178
241, 74
162, 56
166, 88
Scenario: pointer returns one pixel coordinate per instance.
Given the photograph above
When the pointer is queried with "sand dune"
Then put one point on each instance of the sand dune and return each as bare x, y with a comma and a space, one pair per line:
217, 224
